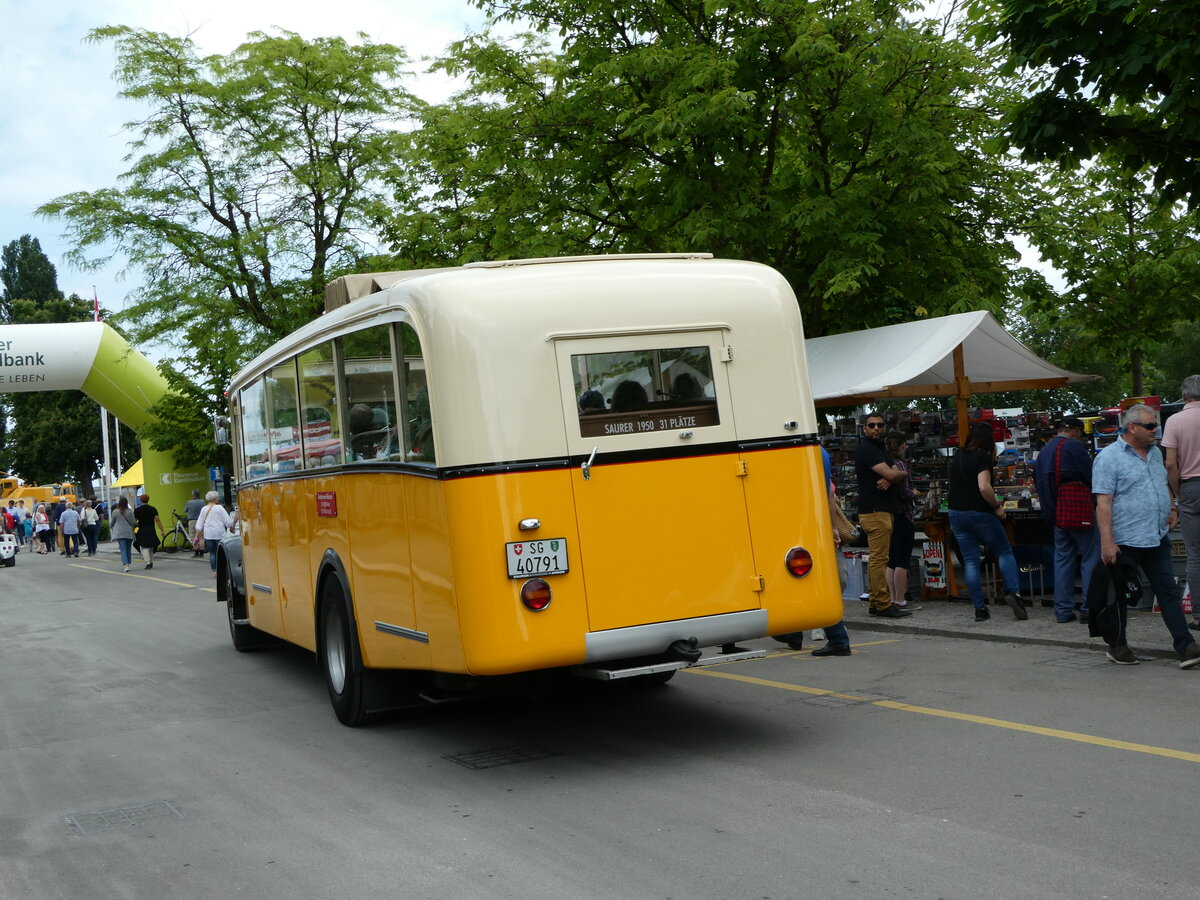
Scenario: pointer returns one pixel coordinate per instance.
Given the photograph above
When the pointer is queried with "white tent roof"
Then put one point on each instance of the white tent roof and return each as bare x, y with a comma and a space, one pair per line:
916, 359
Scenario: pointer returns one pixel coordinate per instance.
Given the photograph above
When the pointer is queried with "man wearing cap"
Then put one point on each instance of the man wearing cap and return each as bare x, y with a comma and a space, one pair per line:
1133, 515
1181, 444
1065, 459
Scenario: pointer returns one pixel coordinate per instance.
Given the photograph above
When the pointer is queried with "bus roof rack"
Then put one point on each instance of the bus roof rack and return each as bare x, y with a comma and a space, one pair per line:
349, 288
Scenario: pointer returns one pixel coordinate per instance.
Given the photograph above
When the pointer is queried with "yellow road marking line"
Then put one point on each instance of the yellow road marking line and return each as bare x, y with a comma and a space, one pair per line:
145, 577
1058, 733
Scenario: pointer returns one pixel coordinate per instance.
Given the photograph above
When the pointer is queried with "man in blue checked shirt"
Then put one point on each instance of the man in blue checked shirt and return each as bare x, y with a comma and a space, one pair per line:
1134, 514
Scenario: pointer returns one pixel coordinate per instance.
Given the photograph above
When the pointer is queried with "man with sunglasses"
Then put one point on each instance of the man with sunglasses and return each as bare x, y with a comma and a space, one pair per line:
1134, 514
876, 507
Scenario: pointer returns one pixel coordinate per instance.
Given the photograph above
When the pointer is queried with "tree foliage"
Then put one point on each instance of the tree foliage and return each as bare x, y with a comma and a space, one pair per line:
837, 141
1117, 75
1132, 267
250, 179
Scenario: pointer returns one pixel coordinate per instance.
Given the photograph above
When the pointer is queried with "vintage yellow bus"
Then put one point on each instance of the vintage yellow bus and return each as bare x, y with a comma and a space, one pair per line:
597, 466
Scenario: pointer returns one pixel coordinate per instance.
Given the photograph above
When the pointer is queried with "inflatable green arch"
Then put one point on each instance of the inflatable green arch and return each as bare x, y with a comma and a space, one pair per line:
91, 357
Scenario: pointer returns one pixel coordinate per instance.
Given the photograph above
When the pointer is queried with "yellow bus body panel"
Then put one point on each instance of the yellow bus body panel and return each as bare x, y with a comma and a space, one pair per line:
786, 500
499, 635
664, 539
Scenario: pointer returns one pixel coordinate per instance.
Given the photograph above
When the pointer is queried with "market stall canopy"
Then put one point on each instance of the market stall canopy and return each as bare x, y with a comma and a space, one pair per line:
968, 353
132, 476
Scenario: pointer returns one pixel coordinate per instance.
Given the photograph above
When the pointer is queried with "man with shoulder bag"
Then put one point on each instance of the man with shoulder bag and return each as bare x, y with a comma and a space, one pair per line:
1063, 474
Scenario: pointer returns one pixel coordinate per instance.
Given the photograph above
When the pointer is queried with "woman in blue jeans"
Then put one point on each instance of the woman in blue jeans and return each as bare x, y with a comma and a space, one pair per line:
976, 518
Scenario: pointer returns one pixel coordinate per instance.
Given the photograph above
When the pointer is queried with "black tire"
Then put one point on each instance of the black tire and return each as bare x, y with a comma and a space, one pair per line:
245, 637
172, 541
10, 562
336, 651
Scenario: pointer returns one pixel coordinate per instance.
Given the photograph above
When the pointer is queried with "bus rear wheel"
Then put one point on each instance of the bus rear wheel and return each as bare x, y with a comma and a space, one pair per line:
346, 683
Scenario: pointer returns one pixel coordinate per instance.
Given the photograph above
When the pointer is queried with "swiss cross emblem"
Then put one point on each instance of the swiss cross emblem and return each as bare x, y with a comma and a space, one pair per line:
518, 549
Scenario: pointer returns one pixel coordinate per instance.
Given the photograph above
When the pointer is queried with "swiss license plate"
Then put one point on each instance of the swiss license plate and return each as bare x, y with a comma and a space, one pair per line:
544, 556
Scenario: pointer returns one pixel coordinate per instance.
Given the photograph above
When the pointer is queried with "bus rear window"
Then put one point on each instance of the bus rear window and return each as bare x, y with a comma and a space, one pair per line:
638, 391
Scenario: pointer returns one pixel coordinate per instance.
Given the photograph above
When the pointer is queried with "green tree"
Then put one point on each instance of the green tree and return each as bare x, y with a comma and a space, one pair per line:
1117, 75
26, 274
1132, 266
838, 140
251, 178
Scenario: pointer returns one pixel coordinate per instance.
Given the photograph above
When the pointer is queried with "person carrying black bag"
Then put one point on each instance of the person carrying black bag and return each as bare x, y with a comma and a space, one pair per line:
1134, 514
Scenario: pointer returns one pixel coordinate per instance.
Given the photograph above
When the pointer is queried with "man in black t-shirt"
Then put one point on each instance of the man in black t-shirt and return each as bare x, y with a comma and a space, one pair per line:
876, 505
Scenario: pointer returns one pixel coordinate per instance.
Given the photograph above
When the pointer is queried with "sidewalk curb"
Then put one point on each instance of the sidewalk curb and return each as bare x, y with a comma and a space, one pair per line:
1094, 644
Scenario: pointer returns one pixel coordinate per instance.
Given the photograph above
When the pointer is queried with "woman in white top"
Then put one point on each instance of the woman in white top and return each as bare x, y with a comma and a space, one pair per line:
212, 523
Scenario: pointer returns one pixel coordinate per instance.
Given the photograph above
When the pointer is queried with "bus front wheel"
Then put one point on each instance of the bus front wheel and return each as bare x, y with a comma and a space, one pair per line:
345, 682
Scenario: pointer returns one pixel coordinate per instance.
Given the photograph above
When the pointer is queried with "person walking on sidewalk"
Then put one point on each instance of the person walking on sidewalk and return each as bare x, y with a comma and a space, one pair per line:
1134, 514
191, 510
214, 522
1065, 460
1181, 446
977, 518
876, 507
149, 527
69, 524
121, 524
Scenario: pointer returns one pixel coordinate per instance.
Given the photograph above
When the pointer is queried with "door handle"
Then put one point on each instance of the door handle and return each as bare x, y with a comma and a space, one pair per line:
586, 468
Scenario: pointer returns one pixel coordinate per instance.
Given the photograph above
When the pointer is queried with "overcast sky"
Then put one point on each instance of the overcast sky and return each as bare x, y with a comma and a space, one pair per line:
60, 117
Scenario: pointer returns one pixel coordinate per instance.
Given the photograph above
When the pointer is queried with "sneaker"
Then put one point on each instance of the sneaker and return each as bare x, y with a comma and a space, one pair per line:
1070, 617
1123, 656
908, 604
1016, 605
1190, 657
890, 612
1194, 624
125, 568
982, 614
148, 566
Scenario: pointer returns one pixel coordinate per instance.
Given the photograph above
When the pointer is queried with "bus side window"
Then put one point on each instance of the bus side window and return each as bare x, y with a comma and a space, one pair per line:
283, 417
318, 397
368, 377
255, 446
414, 387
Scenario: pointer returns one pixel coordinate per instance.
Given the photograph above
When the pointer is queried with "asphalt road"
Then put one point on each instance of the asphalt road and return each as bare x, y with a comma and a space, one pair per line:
142, 757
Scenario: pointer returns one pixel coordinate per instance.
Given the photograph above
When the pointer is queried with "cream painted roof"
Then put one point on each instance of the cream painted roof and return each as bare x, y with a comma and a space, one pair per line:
489, 333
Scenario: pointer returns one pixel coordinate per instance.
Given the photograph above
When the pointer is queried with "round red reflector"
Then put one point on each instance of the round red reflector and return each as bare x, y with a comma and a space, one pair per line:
799, 562
535, 594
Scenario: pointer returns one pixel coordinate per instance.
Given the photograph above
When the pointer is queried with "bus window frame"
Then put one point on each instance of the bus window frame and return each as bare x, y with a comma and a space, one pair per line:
714, 339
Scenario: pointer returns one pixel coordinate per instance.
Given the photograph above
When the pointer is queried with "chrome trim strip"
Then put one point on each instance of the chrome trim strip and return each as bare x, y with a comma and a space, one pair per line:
401, 631
260, 587
644, 640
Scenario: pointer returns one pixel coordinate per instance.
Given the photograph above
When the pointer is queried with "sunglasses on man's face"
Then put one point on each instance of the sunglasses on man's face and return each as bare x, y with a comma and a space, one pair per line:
873, 425
1149, 426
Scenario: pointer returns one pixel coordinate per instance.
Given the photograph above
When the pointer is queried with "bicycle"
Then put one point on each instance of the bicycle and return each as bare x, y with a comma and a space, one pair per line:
177, 538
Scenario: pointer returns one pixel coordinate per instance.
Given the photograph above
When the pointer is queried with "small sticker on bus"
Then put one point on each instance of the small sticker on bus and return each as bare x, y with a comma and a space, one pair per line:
327, 504
545, 556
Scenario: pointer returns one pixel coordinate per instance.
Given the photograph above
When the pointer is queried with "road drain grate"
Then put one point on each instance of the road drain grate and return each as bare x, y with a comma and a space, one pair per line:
122, 817
1080, 661
500, 756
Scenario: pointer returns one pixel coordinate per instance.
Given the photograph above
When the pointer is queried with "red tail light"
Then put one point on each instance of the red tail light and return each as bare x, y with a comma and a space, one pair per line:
799, 562
535, 594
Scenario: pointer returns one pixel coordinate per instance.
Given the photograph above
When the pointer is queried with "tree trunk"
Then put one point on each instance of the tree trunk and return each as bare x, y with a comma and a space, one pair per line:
1135, 359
